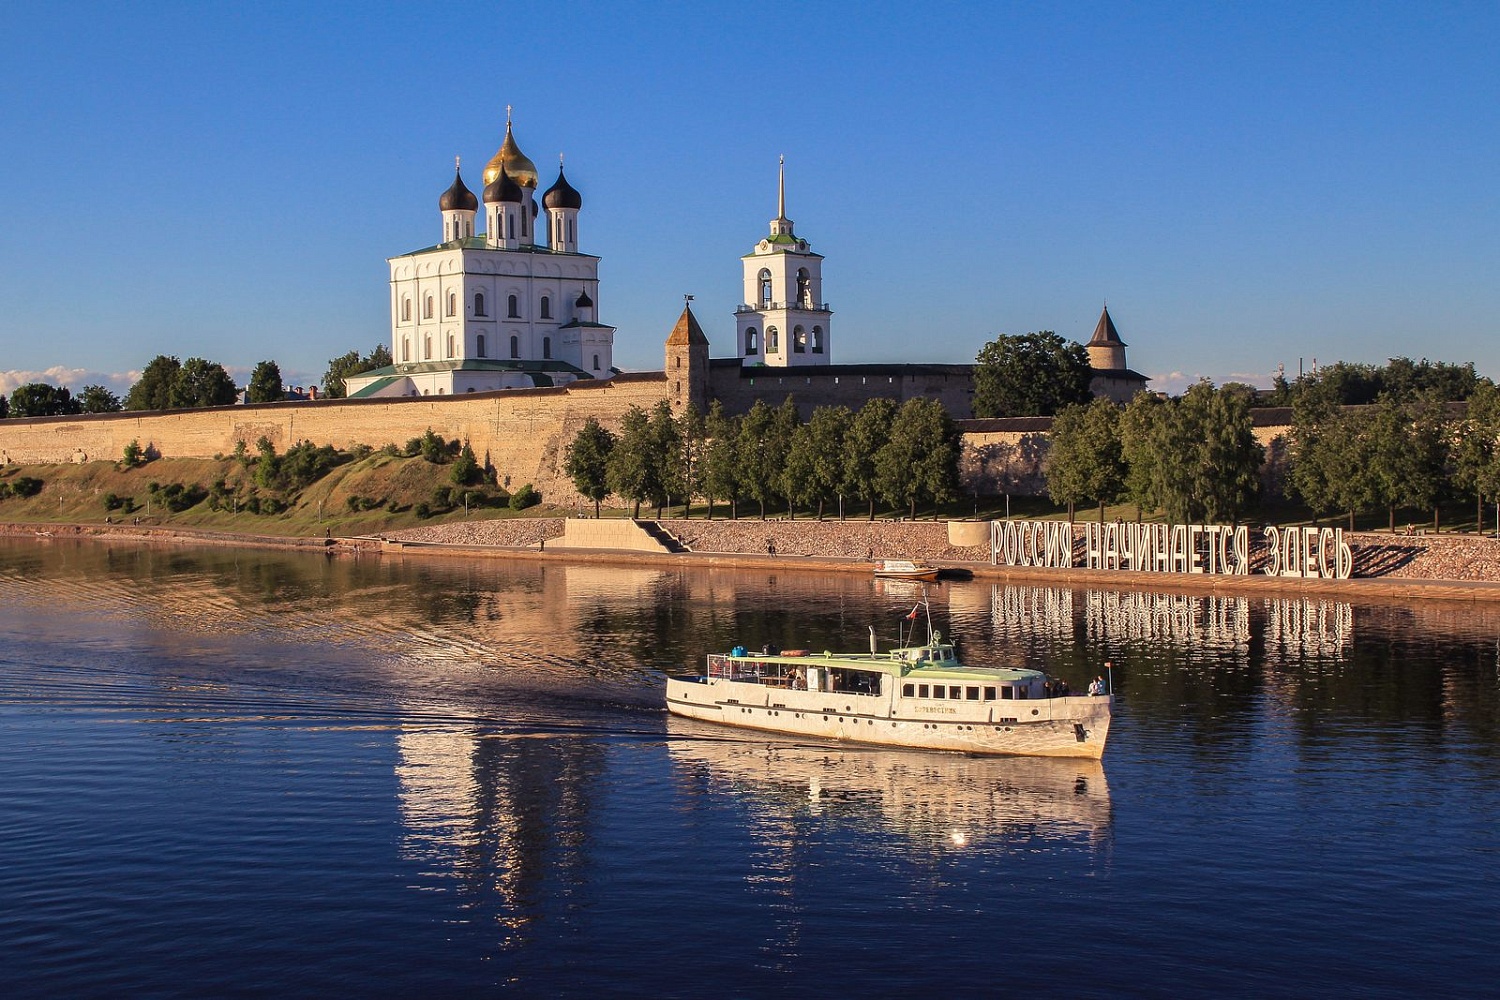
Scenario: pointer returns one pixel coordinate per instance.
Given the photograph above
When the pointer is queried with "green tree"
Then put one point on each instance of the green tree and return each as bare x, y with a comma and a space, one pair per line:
342, 367
466, 470
668, 475
920, 461
4, 407
98, 399
1407, 453
691, 455
265, 384
1224, 474
202, 383
867, 434
38, 399
630, 472
815, 461
1030, 375
720, 476
756, 467
1476, 456
1085, 460
1195, 457
153, 391
587, 461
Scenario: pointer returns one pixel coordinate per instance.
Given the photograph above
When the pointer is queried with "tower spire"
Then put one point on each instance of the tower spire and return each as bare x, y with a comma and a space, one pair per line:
781, 189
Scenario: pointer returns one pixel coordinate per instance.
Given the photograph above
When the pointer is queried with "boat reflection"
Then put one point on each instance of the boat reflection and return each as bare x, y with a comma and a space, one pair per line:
935, 800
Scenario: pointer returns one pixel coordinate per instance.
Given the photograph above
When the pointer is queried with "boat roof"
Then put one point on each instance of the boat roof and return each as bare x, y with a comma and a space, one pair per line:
935, 661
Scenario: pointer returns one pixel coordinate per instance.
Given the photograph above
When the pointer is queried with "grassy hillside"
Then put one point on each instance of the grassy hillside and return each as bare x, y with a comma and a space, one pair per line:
356, 496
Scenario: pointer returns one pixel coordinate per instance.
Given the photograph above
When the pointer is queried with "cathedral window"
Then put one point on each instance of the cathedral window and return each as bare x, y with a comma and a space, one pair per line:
515, 346
773, 340
450, 345
427, 308
570, 230
547, 347
751, 344
546, 307
405, 348
478, 303
817, 344
515, 307
765, 287
804, 289
452, 303
406, 310
799, 340
479, 346
427, 348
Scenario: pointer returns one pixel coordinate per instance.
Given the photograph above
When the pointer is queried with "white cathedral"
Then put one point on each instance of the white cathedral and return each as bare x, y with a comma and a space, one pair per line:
498, 309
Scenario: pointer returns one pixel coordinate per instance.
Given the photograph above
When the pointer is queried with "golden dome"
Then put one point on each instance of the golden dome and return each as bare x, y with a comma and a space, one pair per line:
517, 166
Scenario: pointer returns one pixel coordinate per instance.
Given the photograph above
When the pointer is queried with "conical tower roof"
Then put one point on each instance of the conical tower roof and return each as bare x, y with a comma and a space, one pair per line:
687, 331
1105, 334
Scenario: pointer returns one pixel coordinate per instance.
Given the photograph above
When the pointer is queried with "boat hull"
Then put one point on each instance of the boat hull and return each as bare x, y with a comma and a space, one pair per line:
1074, 726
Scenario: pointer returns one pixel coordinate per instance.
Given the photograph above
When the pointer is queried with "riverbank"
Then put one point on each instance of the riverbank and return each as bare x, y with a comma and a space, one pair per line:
1451, 567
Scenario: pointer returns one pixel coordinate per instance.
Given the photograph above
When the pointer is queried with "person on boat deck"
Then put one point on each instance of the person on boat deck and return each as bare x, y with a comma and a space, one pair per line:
799, 683
1096, 686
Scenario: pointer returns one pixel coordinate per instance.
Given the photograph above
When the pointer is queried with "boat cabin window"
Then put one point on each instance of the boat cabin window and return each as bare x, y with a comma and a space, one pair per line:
1007, 693
972, 694
922, 691
989, 694
908, 690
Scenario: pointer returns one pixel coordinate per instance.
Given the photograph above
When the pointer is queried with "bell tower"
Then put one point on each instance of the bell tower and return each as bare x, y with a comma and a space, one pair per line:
783, 321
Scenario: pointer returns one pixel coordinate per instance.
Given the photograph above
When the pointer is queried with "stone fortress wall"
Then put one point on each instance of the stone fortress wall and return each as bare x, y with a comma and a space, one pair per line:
522, 433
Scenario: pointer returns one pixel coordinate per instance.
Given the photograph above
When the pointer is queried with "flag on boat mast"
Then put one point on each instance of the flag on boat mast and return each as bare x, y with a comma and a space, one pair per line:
913, 616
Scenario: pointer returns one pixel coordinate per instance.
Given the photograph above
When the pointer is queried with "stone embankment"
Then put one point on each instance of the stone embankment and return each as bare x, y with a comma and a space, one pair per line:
859, 540
1411, 557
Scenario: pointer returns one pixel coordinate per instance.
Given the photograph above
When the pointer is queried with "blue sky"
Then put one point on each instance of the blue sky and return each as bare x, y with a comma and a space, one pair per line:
1247, 185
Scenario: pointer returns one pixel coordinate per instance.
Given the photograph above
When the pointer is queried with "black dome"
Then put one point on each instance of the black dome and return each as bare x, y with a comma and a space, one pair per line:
584, 302
458, 198
562, 194
502, 188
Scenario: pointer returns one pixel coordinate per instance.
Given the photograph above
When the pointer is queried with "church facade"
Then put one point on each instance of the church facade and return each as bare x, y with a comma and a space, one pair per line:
513, 307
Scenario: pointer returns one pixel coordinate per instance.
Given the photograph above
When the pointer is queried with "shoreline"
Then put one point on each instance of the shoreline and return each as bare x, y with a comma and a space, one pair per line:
1377, 588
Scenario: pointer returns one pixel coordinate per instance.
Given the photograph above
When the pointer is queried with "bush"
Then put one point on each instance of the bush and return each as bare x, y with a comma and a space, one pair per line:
434, 448
360, 452
25, 486
466, 470
113, 501
391, 450
413, 448
524, 497
133, 456
423, 511
393, 506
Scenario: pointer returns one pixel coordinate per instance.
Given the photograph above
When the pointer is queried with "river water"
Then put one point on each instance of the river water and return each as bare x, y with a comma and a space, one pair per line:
239, 772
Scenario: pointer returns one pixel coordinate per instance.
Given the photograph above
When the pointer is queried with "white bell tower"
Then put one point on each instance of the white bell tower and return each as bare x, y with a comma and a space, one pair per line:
783, 321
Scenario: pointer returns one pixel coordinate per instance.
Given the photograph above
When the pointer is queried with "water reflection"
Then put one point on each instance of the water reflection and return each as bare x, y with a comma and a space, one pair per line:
931, 801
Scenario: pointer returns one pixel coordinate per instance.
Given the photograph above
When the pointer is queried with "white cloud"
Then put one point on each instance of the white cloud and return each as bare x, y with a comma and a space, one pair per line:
73, 378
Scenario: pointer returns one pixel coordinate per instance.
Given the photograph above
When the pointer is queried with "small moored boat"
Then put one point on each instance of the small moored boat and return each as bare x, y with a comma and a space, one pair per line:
911, 696
905, 569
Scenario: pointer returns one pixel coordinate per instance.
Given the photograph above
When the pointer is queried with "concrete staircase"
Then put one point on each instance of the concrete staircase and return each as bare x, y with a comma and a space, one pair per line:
629, 535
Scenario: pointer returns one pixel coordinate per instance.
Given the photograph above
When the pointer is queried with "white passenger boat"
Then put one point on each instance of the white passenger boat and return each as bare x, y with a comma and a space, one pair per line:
905, 569
910, 696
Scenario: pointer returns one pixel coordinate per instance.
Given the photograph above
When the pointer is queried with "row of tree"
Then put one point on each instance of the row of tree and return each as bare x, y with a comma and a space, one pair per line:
901, 456
1194, 457
167, 383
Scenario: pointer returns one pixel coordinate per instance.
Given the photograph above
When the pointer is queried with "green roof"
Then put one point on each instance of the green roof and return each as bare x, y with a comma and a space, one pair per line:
479, 243
373, 388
